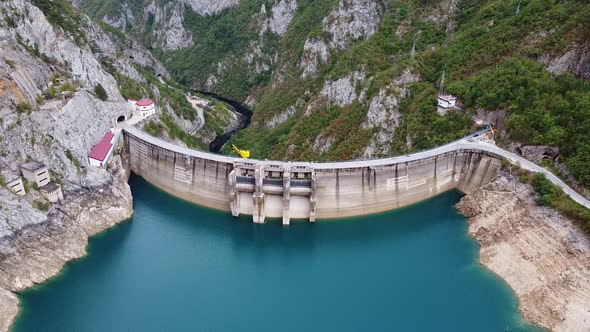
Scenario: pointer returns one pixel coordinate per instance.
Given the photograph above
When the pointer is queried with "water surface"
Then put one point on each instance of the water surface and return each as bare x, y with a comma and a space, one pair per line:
179, 267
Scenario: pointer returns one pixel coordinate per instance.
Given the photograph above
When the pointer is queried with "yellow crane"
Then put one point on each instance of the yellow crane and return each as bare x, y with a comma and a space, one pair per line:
241, 153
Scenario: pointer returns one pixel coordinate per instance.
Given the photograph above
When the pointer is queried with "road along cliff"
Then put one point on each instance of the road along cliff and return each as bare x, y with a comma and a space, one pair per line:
542, 255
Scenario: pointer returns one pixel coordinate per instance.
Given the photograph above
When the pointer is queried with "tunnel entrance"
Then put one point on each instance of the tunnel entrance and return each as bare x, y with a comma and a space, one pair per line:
121, 118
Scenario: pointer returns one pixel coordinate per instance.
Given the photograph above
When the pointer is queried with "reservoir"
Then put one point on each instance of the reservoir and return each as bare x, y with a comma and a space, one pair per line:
179, 267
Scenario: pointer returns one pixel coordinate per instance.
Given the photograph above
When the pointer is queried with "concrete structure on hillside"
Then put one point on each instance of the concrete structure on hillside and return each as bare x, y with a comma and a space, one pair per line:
15, 183
102, 152
52, 191
447, 101
36, 173
301, 190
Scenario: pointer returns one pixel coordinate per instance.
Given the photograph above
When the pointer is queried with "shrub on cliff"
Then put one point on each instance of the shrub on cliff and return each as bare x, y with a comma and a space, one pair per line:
552, 196
547, 192
100, 92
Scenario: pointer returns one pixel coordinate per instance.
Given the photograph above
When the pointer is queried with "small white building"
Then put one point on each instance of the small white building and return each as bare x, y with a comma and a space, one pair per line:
447, 101
145, 107
199, 102
15, 183
36, 172
102, 152
52, 191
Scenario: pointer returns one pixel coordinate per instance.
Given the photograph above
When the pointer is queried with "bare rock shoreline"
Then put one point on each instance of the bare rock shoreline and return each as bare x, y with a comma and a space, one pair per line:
39, 252
542, 255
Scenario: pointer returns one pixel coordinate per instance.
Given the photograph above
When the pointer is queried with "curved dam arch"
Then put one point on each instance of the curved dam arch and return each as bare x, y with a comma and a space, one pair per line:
307, 190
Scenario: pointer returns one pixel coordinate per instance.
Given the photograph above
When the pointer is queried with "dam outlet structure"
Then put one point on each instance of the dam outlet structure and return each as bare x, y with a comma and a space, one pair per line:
306, 190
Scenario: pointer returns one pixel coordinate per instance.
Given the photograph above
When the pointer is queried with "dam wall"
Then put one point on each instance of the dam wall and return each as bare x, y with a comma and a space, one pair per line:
302, 190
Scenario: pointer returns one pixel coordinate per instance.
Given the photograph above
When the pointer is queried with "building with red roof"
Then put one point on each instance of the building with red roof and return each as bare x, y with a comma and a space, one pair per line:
102, 152
144, 107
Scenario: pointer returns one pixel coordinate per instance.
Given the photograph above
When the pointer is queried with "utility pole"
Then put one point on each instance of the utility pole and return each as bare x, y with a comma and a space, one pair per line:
441, 89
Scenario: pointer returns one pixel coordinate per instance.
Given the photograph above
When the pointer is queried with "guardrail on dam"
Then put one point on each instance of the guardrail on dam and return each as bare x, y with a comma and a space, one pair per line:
303, 190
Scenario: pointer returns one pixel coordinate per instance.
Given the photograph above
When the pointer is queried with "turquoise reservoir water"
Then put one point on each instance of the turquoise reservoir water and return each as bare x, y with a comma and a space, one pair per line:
179, 267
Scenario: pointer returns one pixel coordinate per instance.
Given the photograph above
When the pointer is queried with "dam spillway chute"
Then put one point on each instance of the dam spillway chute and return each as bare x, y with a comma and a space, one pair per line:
242, 153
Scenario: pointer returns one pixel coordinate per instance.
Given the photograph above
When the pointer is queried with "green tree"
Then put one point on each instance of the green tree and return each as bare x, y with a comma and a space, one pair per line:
100, 92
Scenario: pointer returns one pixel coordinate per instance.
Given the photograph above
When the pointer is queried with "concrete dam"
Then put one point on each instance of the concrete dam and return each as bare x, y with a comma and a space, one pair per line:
306, 190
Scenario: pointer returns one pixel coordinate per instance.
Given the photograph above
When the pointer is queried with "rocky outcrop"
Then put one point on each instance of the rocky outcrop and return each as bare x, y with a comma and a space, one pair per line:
322, 144
352, 20
576, 61
38, 238
166, 23
123, 21
255, 58
34, 31
343, 91
285, 115
174, 36
537, 153
538, 252
384, 115
315, 54
209, 7
281, 15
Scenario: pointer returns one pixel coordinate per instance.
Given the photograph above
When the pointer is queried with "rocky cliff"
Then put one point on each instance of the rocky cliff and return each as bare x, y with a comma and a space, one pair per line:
542, 255
54, 62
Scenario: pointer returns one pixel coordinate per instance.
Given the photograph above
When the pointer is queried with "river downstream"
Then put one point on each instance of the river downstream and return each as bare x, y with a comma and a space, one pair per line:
245, 118
177, 267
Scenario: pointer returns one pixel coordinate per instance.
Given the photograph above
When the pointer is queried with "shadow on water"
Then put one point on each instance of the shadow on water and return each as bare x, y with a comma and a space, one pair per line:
301, 237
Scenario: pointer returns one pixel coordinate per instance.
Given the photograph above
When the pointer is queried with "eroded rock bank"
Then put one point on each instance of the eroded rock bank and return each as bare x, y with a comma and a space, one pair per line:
39, 252
542, 255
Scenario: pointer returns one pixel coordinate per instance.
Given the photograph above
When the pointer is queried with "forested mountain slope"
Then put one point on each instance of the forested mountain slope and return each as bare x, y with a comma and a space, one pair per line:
344, 79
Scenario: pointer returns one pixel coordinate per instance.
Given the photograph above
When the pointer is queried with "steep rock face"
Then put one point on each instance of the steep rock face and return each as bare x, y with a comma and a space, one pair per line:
384, 115
209, 7
256, 59
351, 20
285, 115
171, 34
540, 254
315, 53
281, 15
60, 136
175, 36
36, 32
344, 90
123, 21
37, 238
38, 252
165, 21
576, 60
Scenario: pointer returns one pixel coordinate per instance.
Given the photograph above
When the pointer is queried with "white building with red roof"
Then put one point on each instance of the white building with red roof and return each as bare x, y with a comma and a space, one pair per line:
144, 107
102, 152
